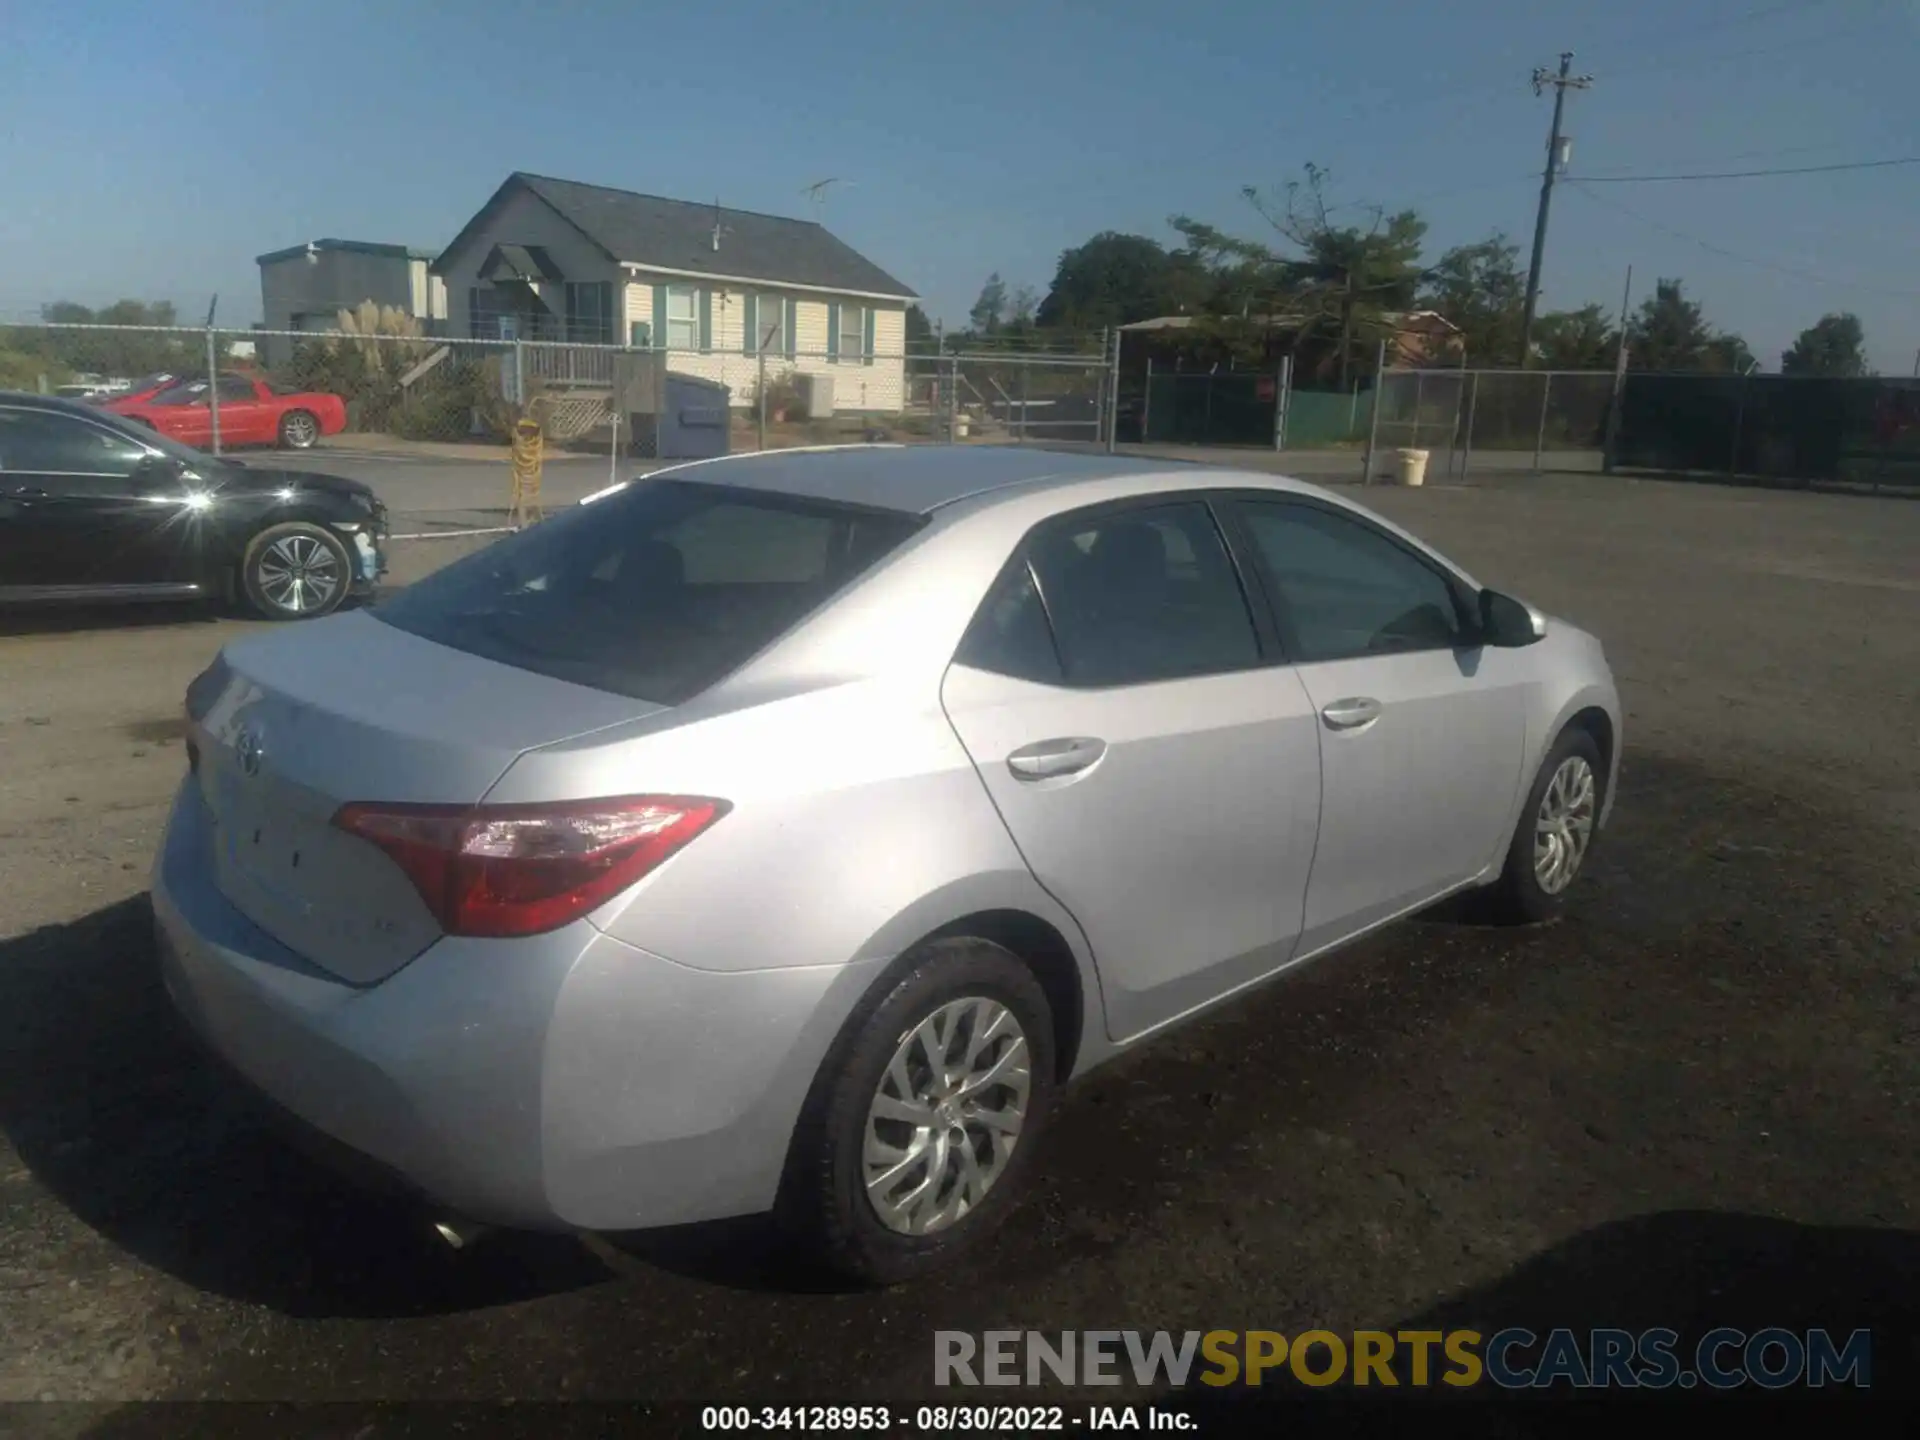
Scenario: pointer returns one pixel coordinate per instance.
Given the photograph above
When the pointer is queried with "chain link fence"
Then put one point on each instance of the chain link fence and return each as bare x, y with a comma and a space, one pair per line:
377, 377
1548, 419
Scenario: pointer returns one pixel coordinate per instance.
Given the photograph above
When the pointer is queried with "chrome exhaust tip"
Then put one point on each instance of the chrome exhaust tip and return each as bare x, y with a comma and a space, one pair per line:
457, 1233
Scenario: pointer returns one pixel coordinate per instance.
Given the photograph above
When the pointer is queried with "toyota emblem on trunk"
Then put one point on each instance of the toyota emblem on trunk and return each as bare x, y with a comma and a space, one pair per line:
248, 747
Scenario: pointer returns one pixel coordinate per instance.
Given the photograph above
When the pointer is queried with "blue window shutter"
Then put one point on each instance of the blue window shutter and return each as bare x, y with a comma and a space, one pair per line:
833, 330
706, 320
660, 317
750, 325
866, 339
793, 328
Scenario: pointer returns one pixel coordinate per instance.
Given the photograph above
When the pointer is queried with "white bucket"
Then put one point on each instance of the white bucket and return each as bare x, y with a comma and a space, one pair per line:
1412, 466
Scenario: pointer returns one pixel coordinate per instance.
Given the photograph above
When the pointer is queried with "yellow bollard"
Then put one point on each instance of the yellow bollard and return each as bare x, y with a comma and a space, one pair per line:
528, 453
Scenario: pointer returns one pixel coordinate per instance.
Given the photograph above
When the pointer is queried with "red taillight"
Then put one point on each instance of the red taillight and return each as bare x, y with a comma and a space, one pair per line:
502, 870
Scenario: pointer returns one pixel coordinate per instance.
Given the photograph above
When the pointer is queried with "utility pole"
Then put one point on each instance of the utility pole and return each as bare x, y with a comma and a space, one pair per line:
1561, 83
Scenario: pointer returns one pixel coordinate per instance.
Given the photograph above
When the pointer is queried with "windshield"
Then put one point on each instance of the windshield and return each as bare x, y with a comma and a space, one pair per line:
657, 592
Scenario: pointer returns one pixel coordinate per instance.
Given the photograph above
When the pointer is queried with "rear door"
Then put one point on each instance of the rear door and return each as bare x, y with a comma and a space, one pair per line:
1422, 730
1156, 765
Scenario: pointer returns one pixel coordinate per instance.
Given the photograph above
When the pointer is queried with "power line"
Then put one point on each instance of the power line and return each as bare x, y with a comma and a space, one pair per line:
1790, 270
1753, 174
1776, 154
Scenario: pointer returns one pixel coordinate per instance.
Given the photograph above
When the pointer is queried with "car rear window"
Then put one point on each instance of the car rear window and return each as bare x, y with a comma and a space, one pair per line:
658, 591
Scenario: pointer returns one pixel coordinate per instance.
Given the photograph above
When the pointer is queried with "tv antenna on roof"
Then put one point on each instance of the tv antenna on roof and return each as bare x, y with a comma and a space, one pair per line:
816, 193
719, 228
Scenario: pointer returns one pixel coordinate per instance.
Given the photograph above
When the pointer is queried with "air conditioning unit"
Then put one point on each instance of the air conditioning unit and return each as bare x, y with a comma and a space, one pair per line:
818, 390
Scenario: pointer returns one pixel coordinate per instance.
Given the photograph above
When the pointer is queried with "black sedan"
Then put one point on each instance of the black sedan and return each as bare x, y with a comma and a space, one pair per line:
97, 508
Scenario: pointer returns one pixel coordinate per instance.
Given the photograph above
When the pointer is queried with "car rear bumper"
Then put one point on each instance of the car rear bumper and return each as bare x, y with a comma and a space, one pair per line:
564, 1081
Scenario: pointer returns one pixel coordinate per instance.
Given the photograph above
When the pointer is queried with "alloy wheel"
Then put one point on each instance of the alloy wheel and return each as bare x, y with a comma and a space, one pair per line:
299, 574
946, 1116
1563, 826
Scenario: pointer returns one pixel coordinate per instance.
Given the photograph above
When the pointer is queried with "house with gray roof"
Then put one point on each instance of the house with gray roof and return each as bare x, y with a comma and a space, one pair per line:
715, 289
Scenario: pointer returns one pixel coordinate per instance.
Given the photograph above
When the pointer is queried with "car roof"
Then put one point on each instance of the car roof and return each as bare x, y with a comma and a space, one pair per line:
915, 479
48, 402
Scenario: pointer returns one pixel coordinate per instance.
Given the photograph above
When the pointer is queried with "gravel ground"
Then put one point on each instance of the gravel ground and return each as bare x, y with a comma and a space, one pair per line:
1690, 1102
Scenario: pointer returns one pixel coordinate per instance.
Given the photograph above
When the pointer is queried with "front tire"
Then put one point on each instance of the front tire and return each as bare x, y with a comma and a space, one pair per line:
299, 430
920, 1128
295, 571
1555, 835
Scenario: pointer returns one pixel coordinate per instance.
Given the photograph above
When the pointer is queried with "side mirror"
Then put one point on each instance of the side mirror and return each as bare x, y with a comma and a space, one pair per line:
1509, 623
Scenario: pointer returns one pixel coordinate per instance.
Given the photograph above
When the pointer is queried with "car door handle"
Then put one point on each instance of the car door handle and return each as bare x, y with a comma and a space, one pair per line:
26, 492
1046, 758
1351, 713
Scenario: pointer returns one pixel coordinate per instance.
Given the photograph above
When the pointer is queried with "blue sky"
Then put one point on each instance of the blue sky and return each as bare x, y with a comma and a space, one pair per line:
152, 153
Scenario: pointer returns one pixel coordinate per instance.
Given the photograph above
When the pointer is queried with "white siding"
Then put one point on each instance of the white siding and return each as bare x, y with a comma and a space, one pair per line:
879, 387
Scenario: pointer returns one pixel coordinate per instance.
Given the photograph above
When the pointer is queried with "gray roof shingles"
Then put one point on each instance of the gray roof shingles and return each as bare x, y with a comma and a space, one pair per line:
648, 230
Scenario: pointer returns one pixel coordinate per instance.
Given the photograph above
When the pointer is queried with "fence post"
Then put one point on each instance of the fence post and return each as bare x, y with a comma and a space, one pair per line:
1419, 396
1466, 441
1025, 372
1113, 396
1615, 403
953, 401
1373, 418
1282, 396
1540, 436
760, 391
213, 388
1459, 409
1146, 404
520, 374
1739, 424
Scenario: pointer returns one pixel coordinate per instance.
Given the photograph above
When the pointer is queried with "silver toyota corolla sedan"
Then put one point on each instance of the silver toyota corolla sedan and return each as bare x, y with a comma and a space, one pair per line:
781, 832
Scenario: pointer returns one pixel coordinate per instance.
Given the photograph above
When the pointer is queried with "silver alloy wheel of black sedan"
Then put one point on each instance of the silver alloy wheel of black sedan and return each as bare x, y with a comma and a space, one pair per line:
296, 571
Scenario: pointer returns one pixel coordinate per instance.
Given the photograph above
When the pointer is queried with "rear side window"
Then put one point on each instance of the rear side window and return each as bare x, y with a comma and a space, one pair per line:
657, 592
1010, 635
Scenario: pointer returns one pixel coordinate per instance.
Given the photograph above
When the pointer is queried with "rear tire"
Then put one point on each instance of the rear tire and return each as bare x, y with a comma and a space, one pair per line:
295, 571
1554, 839
299, 430
966, 1157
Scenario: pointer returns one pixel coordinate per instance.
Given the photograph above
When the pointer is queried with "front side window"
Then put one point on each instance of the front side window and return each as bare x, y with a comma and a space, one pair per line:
1143, 594
683, 317
1346, 589
853, 331
236, 387
657, 592
769, 325
49, 444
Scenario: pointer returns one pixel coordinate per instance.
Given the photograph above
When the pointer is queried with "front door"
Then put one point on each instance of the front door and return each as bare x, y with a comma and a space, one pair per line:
1422, 731
245, 419
1158, 772
73, 507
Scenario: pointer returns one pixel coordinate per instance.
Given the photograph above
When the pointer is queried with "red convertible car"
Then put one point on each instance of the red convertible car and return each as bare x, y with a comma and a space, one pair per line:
252, 412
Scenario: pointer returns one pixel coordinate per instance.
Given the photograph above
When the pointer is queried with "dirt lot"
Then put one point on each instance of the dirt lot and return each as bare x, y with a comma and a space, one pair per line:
1691, 1102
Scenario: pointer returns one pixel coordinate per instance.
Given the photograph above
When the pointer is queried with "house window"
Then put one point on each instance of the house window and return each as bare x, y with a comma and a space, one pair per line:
590, 312
683, 317
853, 332
769, 325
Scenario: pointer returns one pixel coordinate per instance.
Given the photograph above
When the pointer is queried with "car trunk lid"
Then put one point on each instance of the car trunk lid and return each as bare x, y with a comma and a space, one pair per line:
350, 710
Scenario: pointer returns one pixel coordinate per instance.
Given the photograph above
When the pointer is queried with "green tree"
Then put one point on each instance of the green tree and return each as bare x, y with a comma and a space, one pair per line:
919, 329
1116, 279
1480, 289
990, 309
1343, 276
1833, 345
125, 353
1670, 332
1583, 339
